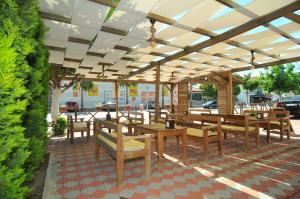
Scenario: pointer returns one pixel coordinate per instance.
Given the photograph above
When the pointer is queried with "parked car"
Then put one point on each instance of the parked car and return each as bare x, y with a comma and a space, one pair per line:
71, 106
291, 104
151, 105
210, 105
109, 105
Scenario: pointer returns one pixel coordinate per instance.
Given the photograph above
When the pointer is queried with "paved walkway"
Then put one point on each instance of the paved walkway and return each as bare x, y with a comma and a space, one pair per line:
272, 171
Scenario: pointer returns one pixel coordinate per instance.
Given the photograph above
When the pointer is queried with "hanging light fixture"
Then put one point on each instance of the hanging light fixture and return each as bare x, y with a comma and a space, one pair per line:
102, 76
252, 60
152, 31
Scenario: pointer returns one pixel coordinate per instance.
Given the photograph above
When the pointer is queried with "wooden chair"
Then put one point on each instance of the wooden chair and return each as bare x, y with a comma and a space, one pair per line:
121, 147
77, 126
132, 118
280, 122
206, 130
161, 118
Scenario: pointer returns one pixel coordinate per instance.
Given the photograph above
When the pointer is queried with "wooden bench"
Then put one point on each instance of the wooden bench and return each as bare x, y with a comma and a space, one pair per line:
132, 119
161, 118
204, 129
121, 147
239, 125
198, 111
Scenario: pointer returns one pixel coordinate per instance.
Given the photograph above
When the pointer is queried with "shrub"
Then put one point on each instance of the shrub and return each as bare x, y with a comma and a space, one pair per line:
23, 95
60, 126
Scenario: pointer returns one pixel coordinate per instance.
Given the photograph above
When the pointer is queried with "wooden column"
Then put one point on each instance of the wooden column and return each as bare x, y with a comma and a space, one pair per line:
229, 94
172, 96
117, 98
183, 97
222, 98
191, 92
157, 81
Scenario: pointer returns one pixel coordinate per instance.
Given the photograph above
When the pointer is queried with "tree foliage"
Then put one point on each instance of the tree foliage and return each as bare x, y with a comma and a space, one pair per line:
209, 91
280, 79
23, 95
84, 86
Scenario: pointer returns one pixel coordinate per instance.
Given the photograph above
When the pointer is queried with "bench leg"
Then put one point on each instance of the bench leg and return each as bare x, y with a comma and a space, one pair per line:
120, 171
257, 138
289, 133
72, 137
246, 142
205, 148
281, 133
97, 151
225, 135
220, 146
148, 158
88, 135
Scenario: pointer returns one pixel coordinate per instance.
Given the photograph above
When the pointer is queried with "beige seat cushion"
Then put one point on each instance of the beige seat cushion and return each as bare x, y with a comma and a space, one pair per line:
129, 145
277, 123
236, 128
133, 122
80, 126
199, 132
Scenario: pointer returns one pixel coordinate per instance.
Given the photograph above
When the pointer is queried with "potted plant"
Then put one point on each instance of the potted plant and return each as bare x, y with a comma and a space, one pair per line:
60, 126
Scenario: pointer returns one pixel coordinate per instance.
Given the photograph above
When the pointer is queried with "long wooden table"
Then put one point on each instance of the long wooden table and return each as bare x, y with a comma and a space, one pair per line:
160, 133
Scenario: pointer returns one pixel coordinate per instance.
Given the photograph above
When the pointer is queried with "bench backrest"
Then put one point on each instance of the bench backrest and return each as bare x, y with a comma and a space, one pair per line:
135, 116
253, 113
115, 137
162, 114
278, 113
198, 111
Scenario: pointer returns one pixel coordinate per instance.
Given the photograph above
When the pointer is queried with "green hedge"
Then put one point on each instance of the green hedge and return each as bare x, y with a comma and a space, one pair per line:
23, 95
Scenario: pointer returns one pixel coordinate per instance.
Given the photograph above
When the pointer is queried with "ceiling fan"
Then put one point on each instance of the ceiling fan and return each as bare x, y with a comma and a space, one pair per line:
172, 76
102, 75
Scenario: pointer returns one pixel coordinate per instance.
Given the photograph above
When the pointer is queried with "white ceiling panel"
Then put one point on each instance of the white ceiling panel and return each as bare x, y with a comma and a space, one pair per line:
83, 32
105, 42
91, 61
122, 20
56, 57
262, 7
76, 50
70, 64
57, 33
61, 8
137, 7
89, 14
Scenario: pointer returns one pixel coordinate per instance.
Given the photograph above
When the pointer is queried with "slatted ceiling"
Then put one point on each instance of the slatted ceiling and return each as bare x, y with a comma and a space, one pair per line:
76, 50
137, 7
115, 54
147, 58
202, 12
262, 7
170, 32
185, 39
90, 61
166, 49
81, 32
62, 8
56, 57
130, 42
231, 19
171, 8
121, 64
82, 71
69, 64
290, 27
58, 31
122, 20
88, 14
218, 48
105, 41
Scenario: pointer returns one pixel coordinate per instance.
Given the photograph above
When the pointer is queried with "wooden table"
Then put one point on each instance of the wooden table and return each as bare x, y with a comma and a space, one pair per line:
160, 133
263, 123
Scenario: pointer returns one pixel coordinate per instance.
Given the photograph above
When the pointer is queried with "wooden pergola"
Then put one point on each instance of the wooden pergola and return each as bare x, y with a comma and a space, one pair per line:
202, 41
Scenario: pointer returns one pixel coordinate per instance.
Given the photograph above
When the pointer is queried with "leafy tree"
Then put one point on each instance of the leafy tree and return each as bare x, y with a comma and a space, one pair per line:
280, 79
57, 74
85, 86
126, 85
249, 84
209, 91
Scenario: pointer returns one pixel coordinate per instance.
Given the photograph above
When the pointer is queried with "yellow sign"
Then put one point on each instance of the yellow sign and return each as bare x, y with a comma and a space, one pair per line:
133, 90
166, 91
94, 91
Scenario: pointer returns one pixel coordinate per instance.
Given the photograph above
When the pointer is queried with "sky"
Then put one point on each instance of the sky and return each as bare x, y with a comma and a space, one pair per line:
256, 72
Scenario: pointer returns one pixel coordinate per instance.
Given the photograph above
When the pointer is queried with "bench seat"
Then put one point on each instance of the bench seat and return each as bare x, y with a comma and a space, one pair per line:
134, 122
199, 132
129, 145
237, 128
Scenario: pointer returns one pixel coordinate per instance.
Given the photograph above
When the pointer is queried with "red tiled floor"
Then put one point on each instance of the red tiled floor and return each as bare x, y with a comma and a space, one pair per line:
237, 174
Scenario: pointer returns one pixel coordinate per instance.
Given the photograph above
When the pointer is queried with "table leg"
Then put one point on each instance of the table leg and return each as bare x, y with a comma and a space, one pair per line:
184, 147
160, 144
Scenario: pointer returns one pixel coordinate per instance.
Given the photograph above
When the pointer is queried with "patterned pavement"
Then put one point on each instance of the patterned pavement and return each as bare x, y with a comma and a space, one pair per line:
271, 171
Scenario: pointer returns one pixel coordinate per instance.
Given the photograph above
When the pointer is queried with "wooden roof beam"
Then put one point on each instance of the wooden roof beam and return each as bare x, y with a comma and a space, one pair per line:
225, 36
294, 17
252, 15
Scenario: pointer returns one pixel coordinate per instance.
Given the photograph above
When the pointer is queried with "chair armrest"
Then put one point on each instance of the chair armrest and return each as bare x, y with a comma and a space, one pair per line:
146, 136
211, 126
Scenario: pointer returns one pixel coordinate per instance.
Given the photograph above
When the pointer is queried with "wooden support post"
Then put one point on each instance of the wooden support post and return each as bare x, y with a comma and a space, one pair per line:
157, 81
229, 94
191, 94
172, 96
117, 98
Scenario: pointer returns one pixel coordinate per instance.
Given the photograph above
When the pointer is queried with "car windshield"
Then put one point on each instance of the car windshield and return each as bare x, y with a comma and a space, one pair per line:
292, 98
